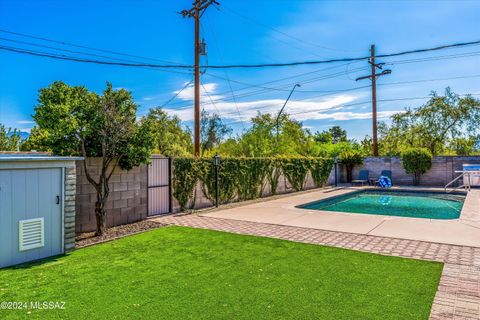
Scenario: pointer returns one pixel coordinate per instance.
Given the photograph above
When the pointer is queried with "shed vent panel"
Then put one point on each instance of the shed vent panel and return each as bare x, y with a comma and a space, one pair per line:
31, 234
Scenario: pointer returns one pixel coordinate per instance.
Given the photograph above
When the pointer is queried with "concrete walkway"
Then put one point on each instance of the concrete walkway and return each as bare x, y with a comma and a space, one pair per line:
283, 211
458, 294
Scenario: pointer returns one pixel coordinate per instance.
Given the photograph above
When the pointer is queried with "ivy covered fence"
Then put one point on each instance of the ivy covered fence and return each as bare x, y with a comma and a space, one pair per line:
242, 179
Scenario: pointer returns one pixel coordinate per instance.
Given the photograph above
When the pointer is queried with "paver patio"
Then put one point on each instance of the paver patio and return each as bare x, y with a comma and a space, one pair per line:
464, 231
458, 294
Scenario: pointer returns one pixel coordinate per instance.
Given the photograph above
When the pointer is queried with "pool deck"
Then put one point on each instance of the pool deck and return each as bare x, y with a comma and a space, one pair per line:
456, 243
464, 231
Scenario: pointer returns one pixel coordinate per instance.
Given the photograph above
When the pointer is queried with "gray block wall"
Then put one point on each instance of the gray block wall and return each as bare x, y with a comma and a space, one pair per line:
284, 187
442, 171
126, 203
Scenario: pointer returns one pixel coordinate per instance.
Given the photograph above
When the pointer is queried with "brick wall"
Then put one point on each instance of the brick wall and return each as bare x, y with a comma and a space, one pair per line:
126, 203
442, 171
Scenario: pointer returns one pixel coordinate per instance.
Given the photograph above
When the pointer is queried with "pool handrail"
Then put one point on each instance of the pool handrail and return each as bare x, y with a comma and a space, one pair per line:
466, 182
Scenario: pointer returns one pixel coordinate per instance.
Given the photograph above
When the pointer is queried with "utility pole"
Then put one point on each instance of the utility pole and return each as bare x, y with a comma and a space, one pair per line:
373, 77
196, 12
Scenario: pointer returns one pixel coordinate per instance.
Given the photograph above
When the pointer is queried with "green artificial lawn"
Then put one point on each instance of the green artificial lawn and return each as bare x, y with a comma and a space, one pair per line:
184, 273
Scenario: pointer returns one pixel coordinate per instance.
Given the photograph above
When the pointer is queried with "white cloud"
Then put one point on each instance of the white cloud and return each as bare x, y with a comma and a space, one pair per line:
25, 121
206, 92
346, 115
299, 109
326, 108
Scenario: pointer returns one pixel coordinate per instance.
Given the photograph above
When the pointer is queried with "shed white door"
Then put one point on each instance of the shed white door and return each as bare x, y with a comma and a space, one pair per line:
31, 225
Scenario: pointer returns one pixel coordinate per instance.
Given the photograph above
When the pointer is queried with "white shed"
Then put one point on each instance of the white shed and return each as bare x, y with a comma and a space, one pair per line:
37, 207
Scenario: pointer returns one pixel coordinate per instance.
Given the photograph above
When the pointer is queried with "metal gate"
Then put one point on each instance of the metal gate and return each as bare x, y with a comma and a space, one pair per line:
159, 186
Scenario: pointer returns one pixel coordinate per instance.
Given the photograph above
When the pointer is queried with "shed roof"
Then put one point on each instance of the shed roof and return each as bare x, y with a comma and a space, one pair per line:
34, 157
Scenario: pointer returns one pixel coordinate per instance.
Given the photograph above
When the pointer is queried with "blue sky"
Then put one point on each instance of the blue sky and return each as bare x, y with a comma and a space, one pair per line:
245, 32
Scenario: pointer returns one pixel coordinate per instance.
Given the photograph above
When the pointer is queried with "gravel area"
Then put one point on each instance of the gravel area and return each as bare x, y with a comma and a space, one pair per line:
89, 238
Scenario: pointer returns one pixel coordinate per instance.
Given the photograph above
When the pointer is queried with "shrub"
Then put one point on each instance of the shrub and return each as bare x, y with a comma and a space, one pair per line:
295, 170
243, 178
227, 175
320, 170
185, 179
251, 177
416, 161
350, 158
274, 173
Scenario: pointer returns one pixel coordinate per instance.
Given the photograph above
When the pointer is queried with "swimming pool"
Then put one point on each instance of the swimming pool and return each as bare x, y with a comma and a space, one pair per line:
394, 203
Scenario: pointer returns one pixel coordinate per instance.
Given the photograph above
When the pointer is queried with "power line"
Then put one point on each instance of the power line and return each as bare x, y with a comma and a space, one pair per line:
225, 70
280, 87
78, 59
268, 27
352, 89
64, 57
64, 50
357, 104
176, 95
261, 85
428, 80
382, 100
266, 89
328, 92
80, 46
264, 65
366, 86
261, 91
427, 59
265, 107
209, 97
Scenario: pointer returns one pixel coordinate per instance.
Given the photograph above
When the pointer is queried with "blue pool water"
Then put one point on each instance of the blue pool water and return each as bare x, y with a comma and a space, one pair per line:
395, 203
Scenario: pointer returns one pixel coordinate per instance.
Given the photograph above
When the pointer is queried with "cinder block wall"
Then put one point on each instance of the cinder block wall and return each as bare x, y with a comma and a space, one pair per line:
283, 187
442, 171
69, 208
126, 203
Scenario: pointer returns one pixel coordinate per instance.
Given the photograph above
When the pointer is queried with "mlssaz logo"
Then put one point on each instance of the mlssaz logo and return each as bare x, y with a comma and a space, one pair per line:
47, 305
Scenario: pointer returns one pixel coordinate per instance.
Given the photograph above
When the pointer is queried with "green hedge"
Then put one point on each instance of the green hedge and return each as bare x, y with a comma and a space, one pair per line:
185, 177
244, 178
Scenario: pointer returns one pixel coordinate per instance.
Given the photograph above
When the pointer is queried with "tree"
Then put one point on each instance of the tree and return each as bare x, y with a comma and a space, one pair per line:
35, 141
416, 161
262, 140
75, 121
465, 146
10, 139
350, 158
170, 138
333, 135
323, 137
212, 131
257, 141
338, 134
433, 125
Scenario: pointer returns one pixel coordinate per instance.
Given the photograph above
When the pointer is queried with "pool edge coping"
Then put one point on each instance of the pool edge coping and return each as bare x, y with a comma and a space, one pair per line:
396, 189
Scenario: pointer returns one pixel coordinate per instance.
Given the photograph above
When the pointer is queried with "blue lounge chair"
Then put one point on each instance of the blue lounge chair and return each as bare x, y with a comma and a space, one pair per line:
362, 177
